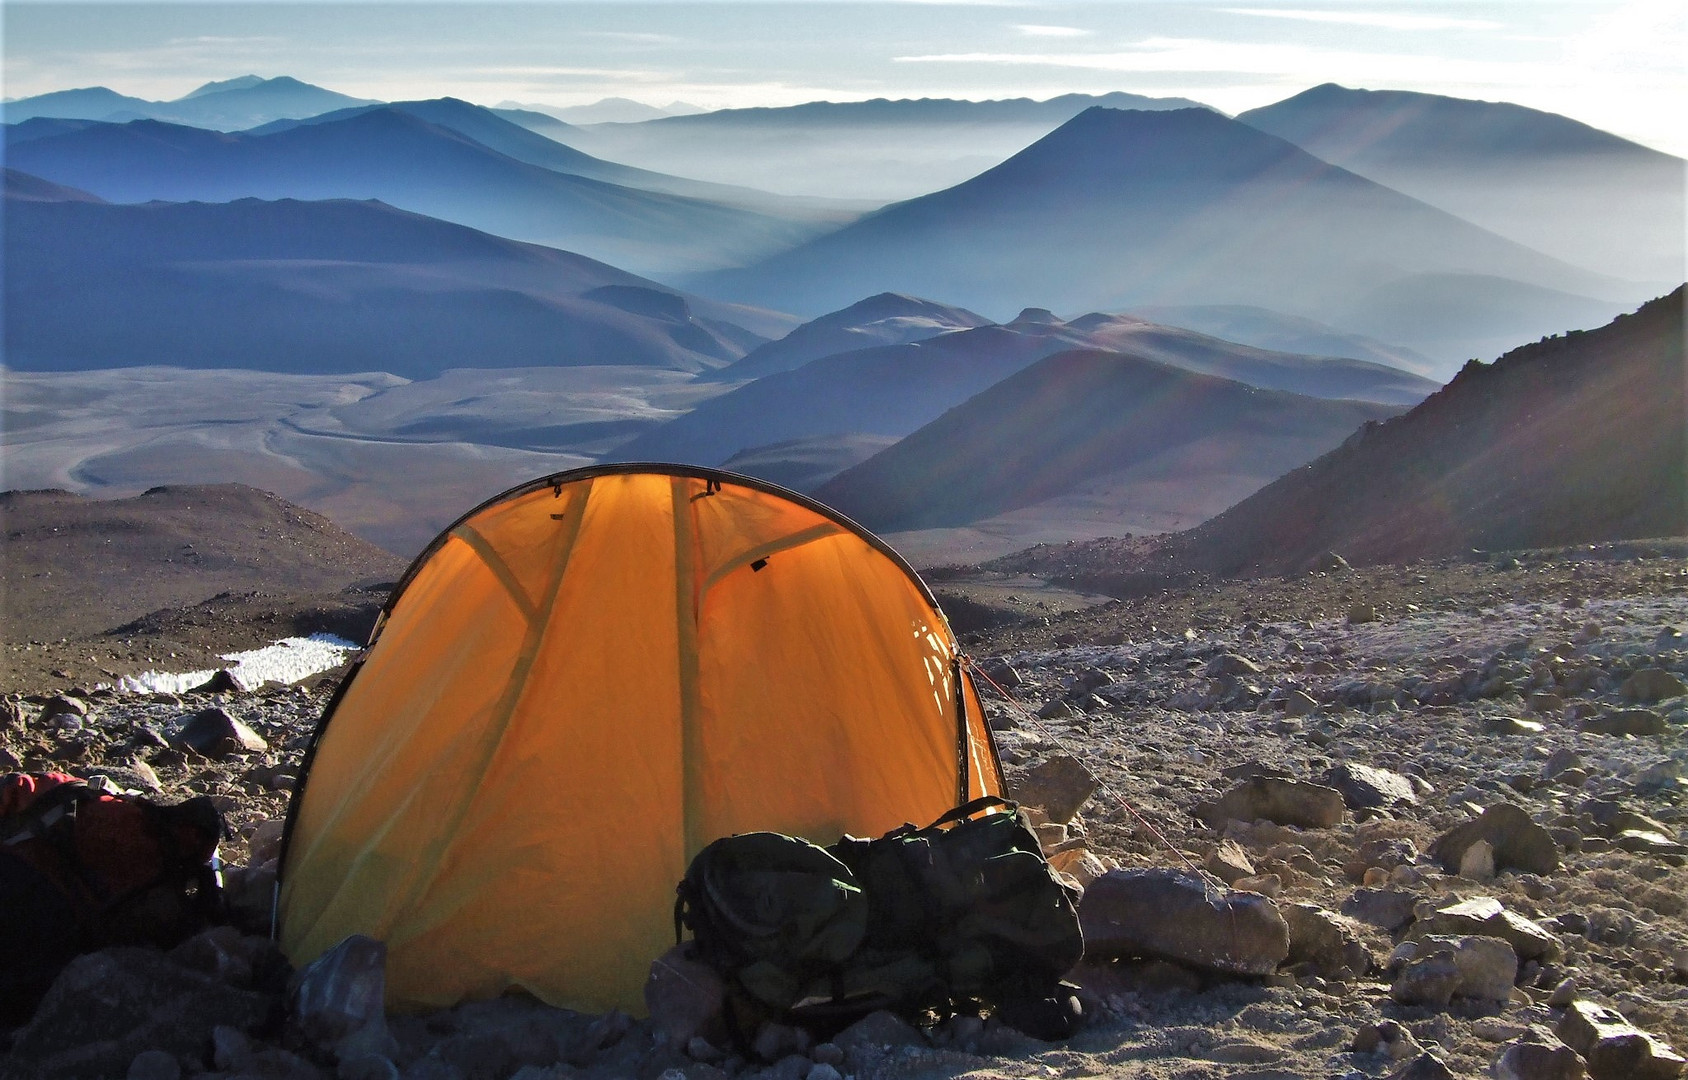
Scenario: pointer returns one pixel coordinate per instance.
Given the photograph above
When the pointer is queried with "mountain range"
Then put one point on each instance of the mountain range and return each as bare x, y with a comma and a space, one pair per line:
867, 150
1562, 187
335, 285
1118, 209
891, 390
1089, 422
227, 105
402, 159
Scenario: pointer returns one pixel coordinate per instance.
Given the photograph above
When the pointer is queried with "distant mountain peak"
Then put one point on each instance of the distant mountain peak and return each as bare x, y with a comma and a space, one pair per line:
241, 82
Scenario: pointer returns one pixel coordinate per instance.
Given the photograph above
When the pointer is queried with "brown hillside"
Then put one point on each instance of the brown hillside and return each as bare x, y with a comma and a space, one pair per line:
1574, 439
75, 568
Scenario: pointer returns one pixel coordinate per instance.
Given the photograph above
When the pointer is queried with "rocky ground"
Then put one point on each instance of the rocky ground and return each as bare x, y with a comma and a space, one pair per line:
1419, 821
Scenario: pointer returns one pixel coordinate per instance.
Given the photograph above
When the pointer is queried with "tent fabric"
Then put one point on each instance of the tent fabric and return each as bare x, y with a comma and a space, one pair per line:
577, 687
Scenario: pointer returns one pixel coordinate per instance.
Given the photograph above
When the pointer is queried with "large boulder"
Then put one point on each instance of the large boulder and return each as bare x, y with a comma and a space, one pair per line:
1613, 1047
1274, 799
1517, 841
107, 1007
1170, 915
1652, 684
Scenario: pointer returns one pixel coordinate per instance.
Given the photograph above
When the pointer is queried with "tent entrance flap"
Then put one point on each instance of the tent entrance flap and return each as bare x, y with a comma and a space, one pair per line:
583, 682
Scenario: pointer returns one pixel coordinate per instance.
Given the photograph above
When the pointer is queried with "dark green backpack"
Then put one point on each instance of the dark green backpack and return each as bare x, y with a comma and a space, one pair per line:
962, 913
972, 895
777, 916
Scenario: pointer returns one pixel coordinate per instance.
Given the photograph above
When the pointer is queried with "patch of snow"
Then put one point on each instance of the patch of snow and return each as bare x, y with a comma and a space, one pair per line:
286, 661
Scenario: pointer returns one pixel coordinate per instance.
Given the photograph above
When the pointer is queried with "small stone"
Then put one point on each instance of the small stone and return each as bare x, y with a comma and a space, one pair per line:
1518, 842
154, 1065
1362, 613
1478, 862
685, 997
1228, 862
1264, 884
831, 1054
701, 1049
264, 842
1170, 915
1055, 710
1233, 665
1300, 703
1285, 802
1059, 787
824, 1071
1652, 684
1426, 1066
368, 1067
1558, 761
1512, 725
213, 733
878, 1030
776, 1041
1533, 1061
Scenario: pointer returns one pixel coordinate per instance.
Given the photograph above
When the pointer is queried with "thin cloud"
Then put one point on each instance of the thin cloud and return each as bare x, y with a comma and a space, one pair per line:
1382, 20
1037, 30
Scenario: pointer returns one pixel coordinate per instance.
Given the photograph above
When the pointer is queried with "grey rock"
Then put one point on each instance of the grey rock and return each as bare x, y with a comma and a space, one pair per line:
1387, 908
1426, 1066
1443, 968
1232, 664
1534, 1061
1228, 862
1326, 940
1626, 722
878, 1031
154, 1065
1059, 787
107, 1007
1518, 842
685, 997
1613, 1047
213, 733
63, 705
367, 1067
1166, 914
1285, 802
775, 1042
824, 1071
1055, 710
1300, 703
341, 992
1363, 786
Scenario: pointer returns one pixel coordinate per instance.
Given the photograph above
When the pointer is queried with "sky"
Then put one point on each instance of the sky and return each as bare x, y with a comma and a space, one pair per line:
1621, 65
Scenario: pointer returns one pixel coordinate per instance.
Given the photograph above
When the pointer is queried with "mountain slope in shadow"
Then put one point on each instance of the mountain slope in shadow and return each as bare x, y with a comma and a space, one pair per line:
227, 105
886, 319
895, 389
1576, 439
1562, 187
336, 286
1122, 209
1073, 421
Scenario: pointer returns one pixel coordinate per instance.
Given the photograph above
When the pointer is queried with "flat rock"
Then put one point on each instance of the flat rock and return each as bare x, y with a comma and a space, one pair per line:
1363, 787
1387, 908
1626, 722
1169, 915
1652, 684
1284, 802
1613, 1047
1487, 917
1059, 786
1228, 862
1518, 842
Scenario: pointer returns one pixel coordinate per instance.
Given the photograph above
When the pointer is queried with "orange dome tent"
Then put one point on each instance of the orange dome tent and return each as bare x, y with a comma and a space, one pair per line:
580, 684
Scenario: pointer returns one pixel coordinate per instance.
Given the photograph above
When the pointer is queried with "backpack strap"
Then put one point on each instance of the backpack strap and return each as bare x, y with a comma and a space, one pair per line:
968, 809
45, 811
